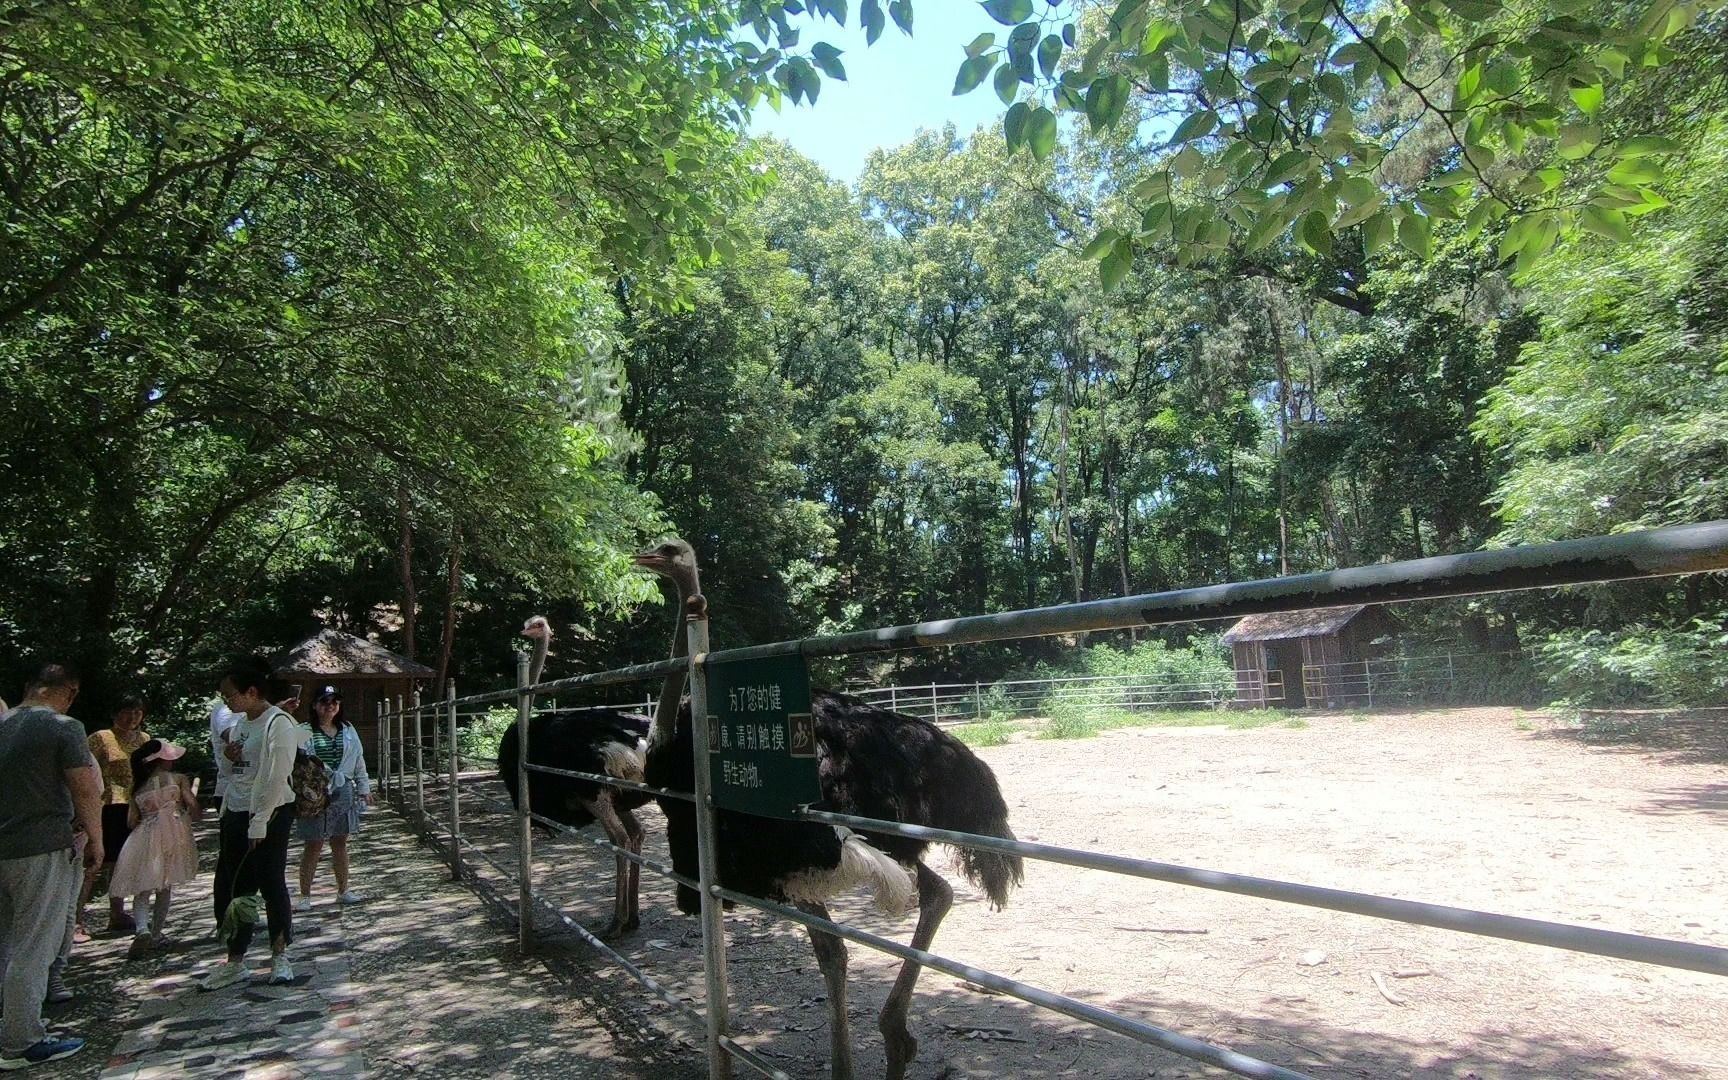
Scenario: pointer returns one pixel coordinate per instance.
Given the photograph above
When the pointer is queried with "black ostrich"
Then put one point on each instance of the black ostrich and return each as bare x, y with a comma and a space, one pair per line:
605, 741
872, 763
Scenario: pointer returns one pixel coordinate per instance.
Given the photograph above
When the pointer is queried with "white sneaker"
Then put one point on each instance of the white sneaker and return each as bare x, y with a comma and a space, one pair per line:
349, 896
281, 971
304, 903
225, 974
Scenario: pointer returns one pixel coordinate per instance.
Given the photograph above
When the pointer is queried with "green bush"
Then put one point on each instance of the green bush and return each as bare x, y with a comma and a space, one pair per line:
479, 739
1072, 722
1638, 666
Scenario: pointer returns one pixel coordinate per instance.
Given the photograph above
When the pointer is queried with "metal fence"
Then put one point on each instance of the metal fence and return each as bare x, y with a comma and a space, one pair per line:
403, 735
1443, 678
961, 703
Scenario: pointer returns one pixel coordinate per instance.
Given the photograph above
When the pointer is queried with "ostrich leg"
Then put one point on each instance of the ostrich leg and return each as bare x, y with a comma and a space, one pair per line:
831, 958
633, 829
607, 815
935, 897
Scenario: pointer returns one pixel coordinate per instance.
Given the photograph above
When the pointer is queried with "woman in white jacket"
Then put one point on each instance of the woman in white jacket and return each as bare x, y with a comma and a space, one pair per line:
257, 816
337, 744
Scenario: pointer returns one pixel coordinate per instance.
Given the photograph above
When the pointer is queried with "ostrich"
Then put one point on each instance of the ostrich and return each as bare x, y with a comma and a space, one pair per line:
594, 741
872, 763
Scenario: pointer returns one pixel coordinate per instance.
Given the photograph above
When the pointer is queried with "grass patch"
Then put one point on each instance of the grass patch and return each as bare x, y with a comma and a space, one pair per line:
1073, 724
1523, 725
993, 731
1295, 722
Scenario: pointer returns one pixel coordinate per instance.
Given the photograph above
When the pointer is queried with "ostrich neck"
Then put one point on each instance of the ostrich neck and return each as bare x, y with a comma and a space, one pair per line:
538, 664
665, 720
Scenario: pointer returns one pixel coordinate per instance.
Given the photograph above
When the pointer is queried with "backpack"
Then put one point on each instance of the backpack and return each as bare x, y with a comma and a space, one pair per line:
311, 783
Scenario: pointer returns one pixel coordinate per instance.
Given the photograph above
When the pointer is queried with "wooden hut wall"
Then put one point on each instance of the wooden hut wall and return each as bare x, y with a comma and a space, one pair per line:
1250, 672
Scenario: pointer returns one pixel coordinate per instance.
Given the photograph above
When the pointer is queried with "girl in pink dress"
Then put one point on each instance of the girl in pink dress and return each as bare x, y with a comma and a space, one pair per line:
160, 852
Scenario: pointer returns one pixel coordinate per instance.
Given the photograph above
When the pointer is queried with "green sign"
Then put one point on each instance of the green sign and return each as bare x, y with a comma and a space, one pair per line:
761, 736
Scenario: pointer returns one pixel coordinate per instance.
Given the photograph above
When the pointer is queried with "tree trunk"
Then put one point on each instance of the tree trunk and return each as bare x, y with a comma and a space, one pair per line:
452, 593
405, 560
1283, 371
1066, 513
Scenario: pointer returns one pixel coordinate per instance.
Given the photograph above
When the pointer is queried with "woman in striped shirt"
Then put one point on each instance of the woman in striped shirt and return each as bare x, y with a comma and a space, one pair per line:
337, 745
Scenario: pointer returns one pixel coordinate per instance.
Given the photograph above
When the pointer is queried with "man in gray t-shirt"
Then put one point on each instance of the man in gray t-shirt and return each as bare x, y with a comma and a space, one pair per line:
51, 780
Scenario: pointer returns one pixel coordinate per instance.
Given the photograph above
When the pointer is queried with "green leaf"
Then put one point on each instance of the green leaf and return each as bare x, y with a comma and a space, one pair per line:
1267, 228
1605, 222
901, 12
1316, 233
1100, 244
1041, 132
1588, 98
1644, 145
1416, 234
1287, 165
972, 73
870, 14
1360, 212
1638, 170
1478, 219
1068, 34
1014, 125
1008, 12
1007, 84
1157, 218
827, 57
1158, 31
1105, 100
981, 44
1197, 126
1187, 163
1049, 53
1540, 182
1116, 265
1377, 232
1578, 140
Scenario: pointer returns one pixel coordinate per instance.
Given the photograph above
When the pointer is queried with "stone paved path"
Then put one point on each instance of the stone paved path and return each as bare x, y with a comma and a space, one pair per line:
422, 980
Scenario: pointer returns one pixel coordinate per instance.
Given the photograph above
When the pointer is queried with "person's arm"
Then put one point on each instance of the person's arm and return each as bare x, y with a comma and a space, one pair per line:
85, 783
360, 775
275, 762
132, 814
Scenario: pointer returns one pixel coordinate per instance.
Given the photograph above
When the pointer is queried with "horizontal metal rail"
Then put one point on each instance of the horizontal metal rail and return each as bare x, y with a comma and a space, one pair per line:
1187, 1046
641, 860
1664, 952
1679, 549
612, 781
658, 669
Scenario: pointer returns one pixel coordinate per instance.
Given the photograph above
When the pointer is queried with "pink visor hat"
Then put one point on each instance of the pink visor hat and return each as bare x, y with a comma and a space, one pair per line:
169, 752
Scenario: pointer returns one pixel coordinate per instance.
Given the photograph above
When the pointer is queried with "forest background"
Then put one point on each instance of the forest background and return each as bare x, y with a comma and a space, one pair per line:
414, 319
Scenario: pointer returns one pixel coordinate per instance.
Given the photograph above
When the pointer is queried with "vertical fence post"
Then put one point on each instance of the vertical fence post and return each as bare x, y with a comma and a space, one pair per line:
455, 796
977, 701
383, 749
1451, 682
893, 699
401, 752
524, 823
419, 762
713, 921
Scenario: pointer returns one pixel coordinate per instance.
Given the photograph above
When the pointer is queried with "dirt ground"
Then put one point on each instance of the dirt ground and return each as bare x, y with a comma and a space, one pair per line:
1620, 827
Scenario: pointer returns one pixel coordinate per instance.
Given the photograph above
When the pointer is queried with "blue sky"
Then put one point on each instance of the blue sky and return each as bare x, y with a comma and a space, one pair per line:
893, 88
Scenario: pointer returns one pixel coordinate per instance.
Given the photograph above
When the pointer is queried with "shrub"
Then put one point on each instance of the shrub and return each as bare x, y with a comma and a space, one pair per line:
479, 739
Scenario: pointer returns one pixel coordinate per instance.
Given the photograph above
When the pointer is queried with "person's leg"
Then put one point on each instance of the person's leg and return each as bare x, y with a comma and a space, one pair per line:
246, 876
272, 877
339, 861
228, 854
310, 852
37, 892
159, 913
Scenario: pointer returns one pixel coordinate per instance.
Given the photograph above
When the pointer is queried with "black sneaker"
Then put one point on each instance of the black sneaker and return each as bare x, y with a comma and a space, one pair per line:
41, 1054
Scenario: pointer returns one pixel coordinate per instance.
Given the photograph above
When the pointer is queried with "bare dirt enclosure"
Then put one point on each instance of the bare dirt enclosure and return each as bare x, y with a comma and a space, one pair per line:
1618, 826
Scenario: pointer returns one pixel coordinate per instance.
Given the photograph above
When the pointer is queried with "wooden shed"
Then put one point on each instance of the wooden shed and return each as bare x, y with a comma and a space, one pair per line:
363, 671
1273, 650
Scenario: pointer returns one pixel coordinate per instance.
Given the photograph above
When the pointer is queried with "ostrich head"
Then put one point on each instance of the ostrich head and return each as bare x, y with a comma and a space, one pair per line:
539, 631
675, 560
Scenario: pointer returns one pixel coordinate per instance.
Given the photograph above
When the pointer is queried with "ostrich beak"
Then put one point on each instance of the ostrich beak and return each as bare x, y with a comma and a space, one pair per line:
647, 560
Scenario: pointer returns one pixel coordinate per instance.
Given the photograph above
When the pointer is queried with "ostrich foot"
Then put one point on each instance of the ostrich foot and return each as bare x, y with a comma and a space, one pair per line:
617, 929
902, 1048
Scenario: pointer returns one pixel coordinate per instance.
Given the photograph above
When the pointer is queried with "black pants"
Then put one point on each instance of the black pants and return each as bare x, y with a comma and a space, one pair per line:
242, 870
